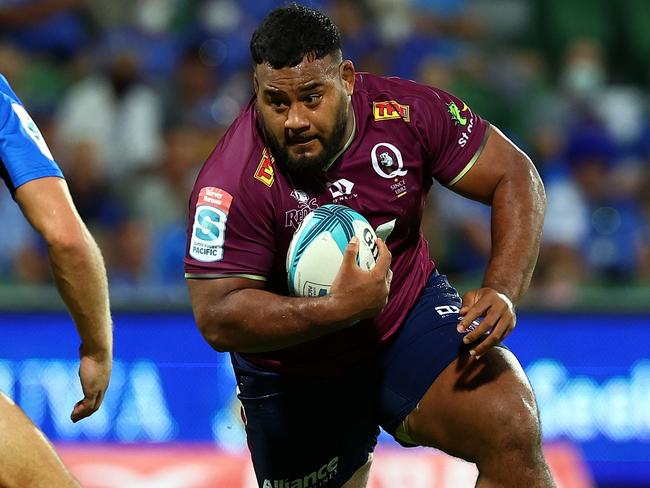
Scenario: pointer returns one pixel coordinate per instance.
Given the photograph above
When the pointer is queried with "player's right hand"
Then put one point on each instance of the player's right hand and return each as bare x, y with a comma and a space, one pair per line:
361, 293
94, 374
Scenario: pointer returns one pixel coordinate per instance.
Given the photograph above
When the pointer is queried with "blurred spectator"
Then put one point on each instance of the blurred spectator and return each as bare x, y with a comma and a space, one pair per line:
465, 234
16, 235
160, 198
118, 113
90, 190
360, 37
644, 238
193, 94
129, 255
55, 27
106, 78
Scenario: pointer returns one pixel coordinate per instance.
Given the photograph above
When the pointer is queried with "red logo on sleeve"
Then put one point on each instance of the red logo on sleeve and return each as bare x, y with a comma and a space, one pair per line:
215, 197
391, 110
265, 172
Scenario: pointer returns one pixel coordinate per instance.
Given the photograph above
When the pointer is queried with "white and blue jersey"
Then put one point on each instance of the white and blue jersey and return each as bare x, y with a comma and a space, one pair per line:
24, 155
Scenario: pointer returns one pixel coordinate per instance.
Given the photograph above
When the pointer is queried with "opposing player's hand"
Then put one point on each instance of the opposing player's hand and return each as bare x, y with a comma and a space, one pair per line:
498, 315
94, 373
362, 293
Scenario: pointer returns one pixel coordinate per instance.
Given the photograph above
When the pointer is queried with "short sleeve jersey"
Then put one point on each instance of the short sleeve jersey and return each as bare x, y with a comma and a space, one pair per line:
244, 209
24, 155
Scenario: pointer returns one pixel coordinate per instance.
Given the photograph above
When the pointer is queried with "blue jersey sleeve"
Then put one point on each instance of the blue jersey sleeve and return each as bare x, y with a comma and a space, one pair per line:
24, 155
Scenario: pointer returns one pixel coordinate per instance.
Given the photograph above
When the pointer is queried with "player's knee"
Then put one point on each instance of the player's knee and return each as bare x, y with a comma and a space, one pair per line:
515, 428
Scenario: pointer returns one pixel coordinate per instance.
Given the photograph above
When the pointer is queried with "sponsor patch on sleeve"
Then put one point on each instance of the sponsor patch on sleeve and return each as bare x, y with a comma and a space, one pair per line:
32, 130
264, 171
390, 110
209, 229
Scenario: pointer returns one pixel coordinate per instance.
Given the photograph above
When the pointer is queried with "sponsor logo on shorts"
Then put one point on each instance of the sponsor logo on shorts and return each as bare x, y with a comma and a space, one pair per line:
390, 110
209, 229
316, 479
387, 160
445, 310
265, 172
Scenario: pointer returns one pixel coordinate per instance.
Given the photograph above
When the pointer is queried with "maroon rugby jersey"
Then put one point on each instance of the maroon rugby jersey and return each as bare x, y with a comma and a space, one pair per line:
244, 209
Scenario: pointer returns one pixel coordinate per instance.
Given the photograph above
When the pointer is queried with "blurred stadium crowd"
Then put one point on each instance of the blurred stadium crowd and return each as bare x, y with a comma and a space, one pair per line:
133, 94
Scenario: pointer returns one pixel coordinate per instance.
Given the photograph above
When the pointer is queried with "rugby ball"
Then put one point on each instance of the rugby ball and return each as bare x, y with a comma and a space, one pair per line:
316, 250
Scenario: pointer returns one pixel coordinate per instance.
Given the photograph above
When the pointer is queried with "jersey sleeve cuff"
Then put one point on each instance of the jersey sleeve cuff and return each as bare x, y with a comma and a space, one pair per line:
472, 161
213, 276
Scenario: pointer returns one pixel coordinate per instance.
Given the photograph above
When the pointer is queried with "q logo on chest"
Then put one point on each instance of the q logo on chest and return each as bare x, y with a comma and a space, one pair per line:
387, 161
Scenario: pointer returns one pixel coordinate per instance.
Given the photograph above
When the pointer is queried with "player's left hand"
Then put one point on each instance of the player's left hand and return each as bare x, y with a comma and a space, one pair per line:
94, 373
498, 314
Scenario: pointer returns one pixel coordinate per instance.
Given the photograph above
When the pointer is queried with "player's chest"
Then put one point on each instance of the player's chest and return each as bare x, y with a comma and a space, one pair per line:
379, 178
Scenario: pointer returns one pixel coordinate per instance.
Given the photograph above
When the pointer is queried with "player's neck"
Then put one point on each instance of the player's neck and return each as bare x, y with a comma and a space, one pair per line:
350, 132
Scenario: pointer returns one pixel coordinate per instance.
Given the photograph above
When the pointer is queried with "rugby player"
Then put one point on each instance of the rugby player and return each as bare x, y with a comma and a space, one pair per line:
318, 376
35, 181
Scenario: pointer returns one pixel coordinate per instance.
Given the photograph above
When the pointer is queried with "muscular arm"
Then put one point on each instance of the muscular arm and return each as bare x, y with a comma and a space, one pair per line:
505, 178
236, 314
80, 277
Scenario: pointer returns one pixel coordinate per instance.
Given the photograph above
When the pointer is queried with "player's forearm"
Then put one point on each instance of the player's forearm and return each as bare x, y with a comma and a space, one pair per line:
254, 320
518, 208
80, 277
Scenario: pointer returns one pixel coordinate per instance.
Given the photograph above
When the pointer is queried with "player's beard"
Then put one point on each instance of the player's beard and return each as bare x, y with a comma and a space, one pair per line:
304, 165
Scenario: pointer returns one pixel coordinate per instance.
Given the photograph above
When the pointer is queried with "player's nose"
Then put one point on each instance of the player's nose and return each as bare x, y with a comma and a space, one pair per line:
297, 120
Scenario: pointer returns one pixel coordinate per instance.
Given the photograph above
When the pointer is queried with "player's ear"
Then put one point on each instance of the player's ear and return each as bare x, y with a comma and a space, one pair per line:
256, 84
346, 72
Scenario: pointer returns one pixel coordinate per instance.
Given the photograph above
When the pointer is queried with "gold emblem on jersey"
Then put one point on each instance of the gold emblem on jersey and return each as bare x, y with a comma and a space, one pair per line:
264, 171
390, 110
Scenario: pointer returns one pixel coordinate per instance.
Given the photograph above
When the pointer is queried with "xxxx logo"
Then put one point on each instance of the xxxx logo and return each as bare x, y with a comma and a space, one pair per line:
264, 171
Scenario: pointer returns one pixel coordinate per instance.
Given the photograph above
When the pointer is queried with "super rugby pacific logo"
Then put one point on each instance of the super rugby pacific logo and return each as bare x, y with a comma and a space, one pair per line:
209, 228
387, 160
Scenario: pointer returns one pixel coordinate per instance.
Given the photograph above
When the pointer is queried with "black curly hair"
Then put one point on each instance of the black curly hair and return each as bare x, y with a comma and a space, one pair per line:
290, 33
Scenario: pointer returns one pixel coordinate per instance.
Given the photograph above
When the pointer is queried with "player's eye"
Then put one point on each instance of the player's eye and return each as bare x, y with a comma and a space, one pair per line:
313, 99
277, 103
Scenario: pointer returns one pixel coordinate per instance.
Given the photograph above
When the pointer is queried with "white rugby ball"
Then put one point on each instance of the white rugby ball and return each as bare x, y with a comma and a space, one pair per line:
316, 250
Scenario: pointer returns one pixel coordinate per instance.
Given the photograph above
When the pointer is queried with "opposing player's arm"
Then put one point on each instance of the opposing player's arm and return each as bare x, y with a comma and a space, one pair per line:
506, 179
237, 314
80, 276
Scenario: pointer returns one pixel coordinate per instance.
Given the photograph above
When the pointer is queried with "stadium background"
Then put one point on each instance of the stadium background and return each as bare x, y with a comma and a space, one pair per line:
133, 95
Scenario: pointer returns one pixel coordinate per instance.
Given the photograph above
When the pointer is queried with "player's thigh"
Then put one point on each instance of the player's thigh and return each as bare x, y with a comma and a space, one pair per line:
360, 478
27, 458
424, 346
475, 407
316, 430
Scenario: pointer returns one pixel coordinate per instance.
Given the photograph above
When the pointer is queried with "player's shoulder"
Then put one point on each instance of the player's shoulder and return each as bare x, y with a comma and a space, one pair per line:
397, 93
240, 162
7, 96
6, 90
374, 87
